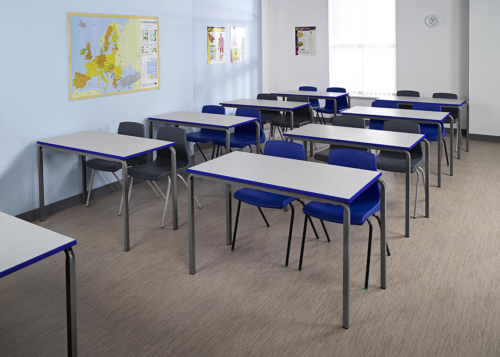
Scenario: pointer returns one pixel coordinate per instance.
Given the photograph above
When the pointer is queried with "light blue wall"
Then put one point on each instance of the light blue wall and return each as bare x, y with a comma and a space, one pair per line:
34, 94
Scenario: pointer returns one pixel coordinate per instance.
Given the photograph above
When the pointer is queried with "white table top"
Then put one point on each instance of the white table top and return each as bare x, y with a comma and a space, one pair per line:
205, 119
115, 146
419, 115
265, 104
295, 176
311, 94
440, 101
374, 138
23, 243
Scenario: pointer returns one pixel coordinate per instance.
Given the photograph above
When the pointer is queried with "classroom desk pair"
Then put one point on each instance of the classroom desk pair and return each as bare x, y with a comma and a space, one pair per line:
111, 147
23, 244
444, 103
415, 116
302, 179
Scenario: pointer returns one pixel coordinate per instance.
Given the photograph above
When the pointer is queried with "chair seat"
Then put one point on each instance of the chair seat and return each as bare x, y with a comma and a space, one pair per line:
205, 135
361, 210
266, 117
263, 199
430, 131
396, 162
156, 170
327, 110
297, 122
239, 140
315, 107
104, 165
377, 124
325, 154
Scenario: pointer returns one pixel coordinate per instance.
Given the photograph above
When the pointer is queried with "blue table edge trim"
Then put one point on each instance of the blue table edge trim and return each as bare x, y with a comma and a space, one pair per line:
333, 198
318, 97
37, 259
413, 102
388, 117
298, 137
193, 124
262, 107
100, 154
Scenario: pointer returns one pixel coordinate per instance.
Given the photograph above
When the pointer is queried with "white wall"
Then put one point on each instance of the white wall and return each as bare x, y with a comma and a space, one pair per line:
484, 67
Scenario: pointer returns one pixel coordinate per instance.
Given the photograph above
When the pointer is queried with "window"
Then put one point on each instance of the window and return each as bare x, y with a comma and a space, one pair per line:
362, 35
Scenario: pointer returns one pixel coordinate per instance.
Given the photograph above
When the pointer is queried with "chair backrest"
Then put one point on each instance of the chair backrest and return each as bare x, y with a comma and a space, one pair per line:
301, 112
267, 96
356, 159
452, 110
179, 136
406, 127
250, 127
213, 109
132, 129
385, 104
341, 102
431, 107
285, 149
408, 93
314, 101
349, 121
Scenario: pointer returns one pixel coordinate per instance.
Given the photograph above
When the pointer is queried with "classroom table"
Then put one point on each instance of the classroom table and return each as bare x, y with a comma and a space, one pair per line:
23, 244
443, 102
370, 139
415, 116
337, 185
272, 105
317, 95
206, 121
111, 147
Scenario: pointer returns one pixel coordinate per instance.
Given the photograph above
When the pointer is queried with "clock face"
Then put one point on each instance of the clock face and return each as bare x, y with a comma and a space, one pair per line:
432, 20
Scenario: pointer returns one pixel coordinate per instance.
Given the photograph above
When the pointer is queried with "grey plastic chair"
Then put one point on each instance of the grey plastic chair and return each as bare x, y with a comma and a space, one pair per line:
267, 115
454, 112
301, 116
396, 162
345, 121
162, 166
407, 93
125, 128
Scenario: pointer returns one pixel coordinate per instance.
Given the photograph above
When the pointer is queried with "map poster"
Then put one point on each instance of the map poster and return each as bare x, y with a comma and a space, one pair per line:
112, 54
305, 41
216, 45
238, 44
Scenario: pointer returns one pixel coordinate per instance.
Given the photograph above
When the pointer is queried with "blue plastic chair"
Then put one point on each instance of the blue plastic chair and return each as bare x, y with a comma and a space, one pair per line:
206, 135
286, 150
329, 107
379, 124
244, 135
365, 205
314, 102
430, 130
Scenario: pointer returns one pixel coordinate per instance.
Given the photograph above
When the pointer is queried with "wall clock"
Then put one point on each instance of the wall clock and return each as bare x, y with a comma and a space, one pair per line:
432, 20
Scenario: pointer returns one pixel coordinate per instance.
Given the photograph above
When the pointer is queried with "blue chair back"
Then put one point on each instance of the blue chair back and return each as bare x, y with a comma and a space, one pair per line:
341, 102
213, 109
385, 104
314, 102
427, 106
356, 159
250, 127
285, 149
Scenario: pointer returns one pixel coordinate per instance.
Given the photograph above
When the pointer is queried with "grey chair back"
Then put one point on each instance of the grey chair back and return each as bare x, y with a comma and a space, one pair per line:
131, 128
267, 115
179, 136
407, 93
452, 110
301, 113
348, 121
406, 127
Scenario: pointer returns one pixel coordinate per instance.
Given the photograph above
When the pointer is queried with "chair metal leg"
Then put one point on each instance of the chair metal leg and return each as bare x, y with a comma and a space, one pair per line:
263, 216
303, 242
324, 228
416, 194
90, 188
310, 220
236, 225
386, 244
213, 150
185, 183
166, 203
446, 152
217, 154
369, 254
156, 193
199, 148
289, 236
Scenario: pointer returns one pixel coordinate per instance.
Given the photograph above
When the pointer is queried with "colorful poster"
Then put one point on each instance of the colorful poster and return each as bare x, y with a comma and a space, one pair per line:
305, 41
216, 45
238, 44
112, 54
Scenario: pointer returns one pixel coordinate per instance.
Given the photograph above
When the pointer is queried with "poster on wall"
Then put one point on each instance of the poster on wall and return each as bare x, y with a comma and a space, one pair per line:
305, 41
216, 45
238, 44
112, 54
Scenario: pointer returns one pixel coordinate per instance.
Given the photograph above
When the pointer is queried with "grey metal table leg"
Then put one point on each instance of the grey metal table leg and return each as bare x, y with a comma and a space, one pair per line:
305, 148
311, 145
258, 136
291, 120
71, 302
84, 178
427, 158
229, 225
150, 129
126, 232
41, 193
348, 101
192, 253
383, 237
334, 107
173, 159
346, 268
467, 127
440, 149
459, 137
452, 146
408, 198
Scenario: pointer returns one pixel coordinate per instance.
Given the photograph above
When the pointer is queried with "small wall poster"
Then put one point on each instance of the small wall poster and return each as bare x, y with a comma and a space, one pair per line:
238, 44
216, 45
305, 41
